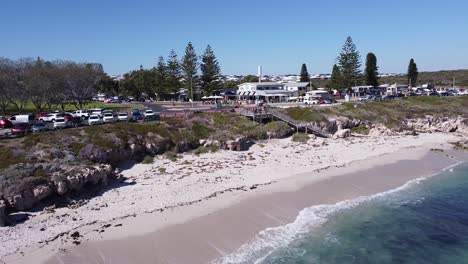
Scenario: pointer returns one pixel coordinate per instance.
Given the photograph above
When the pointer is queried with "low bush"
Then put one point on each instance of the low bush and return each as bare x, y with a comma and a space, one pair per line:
300, 137
363, 130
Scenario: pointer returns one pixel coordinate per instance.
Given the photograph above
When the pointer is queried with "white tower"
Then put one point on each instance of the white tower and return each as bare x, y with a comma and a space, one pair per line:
259, 73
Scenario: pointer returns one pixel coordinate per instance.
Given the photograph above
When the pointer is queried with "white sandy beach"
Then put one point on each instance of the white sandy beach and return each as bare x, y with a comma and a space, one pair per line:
167, 193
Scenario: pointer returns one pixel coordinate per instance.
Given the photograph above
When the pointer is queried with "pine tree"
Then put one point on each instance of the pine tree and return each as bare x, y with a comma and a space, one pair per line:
371, 71
412, 73
336, 81
189, 66
160, 76
173, 73
210, 71
349, 63
304, 74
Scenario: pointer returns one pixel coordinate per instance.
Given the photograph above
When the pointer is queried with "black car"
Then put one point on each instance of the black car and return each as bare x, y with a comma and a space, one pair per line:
76, 121
433, 94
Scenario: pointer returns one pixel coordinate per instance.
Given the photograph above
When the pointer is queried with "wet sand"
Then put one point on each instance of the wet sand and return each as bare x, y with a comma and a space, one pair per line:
236, 220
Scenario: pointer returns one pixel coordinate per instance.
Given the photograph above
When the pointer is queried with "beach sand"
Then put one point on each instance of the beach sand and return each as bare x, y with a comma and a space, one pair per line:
203, 207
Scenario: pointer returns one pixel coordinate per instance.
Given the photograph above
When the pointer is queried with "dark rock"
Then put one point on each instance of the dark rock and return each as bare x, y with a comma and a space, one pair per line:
93, 153
75, 235
3, 215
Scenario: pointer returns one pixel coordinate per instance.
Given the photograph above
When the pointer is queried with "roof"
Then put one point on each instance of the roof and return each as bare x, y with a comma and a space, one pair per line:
262, 84
298, 84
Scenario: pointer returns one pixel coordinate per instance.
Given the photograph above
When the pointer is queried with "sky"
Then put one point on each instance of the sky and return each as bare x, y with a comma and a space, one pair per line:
279, 35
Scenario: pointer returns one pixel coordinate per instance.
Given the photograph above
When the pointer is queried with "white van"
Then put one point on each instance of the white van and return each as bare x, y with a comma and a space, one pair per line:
26, 118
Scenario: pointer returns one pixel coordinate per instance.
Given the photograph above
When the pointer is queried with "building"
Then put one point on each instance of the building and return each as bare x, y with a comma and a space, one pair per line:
299, 88
268, 91
395, 89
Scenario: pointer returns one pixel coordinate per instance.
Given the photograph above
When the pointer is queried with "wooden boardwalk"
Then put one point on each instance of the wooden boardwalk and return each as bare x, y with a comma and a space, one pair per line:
273, 114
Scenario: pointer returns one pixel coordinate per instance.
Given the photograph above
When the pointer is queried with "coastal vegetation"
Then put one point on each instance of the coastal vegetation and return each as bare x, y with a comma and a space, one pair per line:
391, 112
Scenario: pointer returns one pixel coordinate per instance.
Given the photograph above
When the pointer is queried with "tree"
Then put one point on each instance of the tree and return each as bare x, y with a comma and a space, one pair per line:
412, 73
249, 78
210, 71
160, 76
304, 74
371, 72
173, 73
349, 63
336, 80
189, 66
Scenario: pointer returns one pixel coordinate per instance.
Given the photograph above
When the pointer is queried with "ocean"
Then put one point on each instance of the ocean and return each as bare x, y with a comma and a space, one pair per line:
424, 221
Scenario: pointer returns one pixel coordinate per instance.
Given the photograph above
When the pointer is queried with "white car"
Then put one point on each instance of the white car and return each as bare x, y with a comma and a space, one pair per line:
81, 113
148, 113
94, 120
96, 111
122, 117
108, 118
60, 123
51, 117
311, 101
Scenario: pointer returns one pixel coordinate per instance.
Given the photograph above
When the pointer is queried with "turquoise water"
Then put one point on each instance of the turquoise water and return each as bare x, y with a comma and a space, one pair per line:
425, 221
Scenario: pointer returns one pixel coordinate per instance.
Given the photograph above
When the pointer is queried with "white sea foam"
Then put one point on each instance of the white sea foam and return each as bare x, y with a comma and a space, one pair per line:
265, 242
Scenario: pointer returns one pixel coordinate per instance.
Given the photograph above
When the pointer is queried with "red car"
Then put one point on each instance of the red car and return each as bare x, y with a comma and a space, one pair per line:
5, 123
68, 117
20, 129
41, 114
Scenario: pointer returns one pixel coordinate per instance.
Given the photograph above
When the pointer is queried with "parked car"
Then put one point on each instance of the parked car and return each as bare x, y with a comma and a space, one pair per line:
39, 127
311, 101
41, 114
76, 121
5, 123
122, 116
96, 111
60, 123
328, 101
50, 117
366, 98
20, 129
68, 116
149, 113
94, 120
411, 94
81, 113
433, 94
108, 118
26, 118
388, 97
136, 115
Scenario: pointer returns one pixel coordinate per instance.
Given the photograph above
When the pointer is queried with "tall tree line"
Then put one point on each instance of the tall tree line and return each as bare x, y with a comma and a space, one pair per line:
47, 84
191, 72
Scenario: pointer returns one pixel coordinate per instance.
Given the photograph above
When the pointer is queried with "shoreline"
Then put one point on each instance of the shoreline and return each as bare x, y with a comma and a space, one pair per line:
152, 220
206, 238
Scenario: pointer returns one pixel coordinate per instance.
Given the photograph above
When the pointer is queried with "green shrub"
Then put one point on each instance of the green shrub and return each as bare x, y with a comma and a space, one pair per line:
300, 137
75, 147
201, 131
8, 158
148, 160
363, 130
305, 114
203, 150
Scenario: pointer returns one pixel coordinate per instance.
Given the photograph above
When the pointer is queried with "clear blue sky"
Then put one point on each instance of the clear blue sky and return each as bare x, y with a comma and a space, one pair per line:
280, 35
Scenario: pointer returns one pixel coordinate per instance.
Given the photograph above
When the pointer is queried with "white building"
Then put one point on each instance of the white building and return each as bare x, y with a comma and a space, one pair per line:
395, 89
299, 88
264, 90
